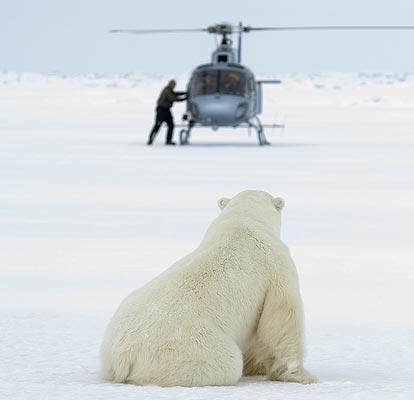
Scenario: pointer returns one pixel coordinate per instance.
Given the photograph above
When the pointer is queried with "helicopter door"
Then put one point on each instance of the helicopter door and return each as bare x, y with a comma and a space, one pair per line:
258, 97
251, 95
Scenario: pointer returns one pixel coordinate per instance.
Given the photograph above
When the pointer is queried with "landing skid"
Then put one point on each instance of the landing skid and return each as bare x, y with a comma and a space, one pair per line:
185, 134
261, 137
256, 124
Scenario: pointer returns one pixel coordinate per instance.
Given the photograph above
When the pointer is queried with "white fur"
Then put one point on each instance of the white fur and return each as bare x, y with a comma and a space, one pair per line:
231, 306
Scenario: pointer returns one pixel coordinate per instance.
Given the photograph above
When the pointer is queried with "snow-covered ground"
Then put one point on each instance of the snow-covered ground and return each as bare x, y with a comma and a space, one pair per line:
88, 213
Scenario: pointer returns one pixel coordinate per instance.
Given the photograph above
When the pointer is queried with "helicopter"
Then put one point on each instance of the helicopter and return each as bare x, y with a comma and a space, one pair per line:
225, 93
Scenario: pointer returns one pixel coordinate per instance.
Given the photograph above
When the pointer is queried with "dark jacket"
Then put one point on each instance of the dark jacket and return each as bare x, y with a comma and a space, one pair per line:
168, 96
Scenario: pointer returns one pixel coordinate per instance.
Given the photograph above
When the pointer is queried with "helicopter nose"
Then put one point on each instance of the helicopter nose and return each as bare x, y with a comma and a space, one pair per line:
218, 110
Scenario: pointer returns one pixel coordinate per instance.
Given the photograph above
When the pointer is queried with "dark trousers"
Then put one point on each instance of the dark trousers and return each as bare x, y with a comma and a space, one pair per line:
162, 115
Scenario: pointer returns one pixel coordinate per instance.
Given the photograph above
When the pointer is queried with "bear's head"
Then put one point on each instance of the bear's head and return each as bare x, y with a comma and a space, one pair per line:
255, 204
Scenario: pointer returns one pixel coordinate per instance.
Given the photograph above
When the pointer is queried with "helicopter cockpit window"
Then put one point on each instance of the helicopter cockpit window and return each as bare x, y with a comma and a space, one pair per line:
232, 82
219, 81
222, 58
205, 83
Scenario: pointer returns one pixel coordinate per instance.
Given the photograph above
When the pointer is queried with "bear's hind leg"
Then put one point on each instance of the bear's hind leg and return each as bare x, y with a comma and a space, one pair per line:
205, 357
221, 365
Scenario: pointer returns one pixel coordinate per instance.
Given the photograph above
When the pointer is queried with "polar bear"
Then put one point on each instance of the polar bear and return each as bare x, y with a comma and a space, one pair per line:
231, 307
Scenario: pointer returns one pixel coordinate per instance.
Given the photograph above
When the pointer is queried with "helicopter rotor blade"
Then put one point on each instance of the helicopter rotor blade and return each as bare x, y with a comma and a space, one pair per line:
227, 29
144, 31
331, 28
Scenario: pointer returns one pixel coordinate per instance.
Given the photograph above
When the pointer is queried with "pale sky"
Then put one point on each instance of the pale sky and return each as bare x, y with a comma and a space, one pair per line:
71, 36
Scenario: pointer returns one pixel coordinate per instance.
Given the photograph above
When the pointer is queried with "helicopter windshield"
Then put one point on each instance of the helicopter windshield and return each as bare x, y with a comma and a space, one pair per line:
232, 82
205, 82
219, 81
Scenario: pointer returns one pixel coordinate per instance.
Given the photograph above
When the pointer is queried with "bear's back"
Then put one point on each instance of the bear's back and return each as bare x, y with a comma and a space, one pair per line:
227, 277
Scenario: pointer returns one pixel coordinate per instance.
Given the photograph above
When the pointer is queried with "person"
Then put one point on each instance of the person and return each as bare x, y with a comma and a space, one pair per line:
209, 83
163, 111
232, 84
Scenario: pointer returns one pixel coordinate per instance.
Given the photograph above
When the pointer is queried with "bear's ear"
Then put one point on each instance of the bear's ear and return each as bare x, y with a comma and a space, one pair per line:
279, 203
223, 202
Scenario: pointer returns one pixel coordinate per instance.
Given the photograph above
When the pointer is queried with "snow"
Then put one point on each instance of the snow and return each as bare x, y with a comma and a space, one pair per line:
88, 213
